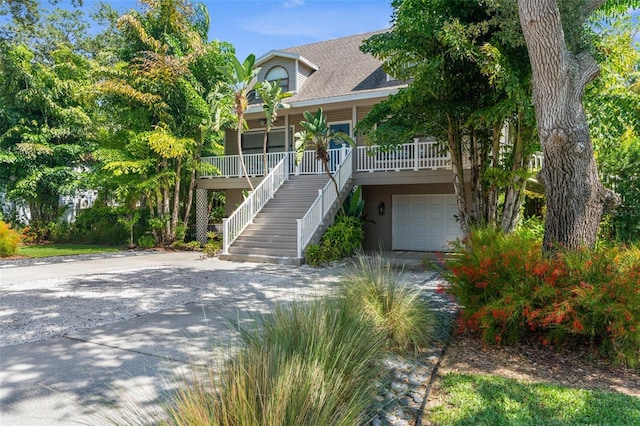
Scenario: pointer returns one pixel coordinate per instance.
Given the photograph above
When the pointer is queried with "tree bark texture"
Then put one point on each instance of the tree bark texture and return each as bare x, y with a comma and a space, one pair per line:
492, 195
240, 114
575, 197
476, 215
175, 214
514, 196
455, 149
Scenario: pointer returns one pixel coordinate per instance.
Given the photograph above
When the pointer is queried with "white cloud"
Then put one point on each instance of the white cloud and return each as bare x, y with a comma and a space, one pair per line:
293, 3
317, 22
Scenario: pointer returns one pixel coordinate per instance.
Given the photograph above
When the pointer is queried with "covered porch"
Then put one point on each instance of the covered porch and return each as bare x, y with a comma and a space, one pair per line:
417, 155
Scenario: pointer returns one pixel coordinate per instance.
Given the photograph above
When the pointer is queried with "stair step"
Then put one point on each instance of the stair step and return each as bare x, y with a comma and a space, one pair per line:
272, 237
273, 246
261, 259
263, 251
272, 229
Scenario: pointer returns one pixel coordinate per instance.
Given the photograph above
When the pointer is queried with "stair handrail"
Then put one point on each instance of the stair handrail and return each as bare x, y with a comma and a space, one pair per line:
251, 206
314, 218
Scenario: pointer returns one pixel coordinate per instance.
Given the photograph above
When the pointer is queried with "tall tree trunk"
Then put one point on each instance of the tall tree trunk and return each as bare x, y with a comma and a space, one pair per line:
176, 203
455, 149
492, 195
575, 197
192, 182
514, 195
265, 169
325, 163
166, 217
154, 211
192, 187
477, 204
240, 114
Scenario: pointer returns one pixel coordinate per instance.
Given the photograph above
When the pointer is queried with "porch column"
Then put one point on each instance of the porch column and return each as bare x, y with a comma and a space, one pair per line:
288, 144
202, 216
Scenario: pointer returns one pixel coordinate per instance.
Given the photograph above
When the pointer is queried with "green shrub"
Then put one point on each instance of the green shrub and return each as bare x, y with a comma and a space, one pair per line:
340, 240
181, 245
61, 232
9, 240
181, 231
214, 244
531, 228
307, 364
146, 241
36, 232
317, 255
378, 292
193, 245
510, 291
100, 225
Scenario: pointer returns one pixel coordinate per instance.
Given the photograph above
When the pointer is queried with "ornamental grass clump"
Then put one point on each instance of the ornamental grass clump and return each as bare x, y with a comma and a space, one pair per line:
373, 288
509, 291
307, 364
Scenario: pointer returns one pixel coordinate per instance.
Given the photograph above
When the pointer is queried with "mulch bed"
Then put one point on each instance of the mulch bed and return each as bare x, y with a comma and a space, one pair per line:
528, 362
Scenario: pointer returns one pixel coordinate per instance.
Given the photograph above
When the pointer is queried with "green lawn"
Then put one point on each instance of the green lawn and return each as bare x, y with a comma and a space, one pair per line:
488, 400
48, 250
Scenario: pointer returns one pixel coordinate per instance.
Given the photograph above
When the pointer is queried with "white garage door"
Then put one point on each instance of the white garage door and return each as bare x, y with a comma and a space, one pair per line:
424, 222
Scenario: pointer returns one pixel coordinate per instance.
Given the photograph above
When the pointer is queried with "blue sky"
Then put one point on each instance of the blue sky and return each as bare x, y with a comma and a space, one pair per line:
258, 26
262, 25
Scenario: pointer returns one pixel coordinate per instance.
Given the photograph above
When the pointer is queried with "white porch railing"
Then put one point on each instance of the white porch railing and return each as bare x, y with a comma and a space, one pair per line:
409, 156
535, 162
417, 155
229, 165
315, 216
247, 211
310, 165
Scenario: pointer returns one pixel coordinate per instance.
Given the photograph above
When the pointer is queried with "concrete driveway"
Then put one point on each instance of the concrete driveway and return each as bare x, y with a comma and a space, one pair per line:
98, 369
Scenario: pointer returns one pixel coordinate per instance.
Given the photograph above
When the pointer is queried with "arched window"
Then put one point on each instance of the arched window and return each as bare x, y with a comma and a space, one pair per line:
278, 73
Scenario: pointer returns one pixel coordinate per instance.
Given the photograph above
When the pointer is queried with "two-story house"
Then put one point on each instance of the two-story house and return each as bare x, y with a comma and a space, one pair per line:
408, 193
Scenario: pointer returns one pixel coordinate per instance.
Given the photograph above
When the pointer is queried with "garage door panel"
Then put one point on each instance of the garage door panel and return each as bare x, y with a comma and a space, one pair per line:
436, 215
424, 222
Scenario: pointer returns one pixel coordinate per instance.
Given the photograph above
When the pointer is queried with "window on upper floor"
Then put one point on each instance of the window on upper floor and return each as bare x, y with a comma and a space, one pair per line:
278, 73
252, 141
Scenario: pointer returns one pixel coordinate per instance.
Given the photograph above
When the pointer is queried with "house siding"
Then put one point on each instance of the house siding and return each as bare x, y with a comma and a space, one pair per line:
233, 198
361, 113
340, 115
230, 142
303, 73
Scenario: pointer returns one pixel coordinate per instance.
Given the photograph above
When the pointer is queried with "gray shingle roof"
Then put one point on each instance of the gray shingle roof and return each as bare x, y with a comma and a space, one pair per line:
342, 69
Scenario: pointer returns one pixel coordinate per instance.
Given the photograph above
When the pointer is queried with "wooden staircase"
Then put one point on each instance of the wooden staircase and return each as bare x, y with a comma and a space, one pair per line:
272, 237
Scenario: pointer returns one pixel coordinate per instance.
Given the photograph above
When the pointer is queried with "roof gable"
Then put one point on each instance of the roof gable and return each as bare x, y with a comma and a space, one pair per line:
282, 54
332, 69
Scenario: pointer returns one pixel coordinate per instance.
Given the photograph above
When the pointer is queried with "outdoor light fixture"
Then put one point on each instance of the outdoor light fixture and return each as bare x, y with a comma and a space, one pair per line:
263, 121
381, 208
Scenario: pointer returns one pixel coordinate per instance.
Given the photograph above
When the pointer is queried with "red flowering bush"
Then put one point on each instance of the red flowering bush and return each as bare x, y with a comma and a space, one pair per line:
509, 291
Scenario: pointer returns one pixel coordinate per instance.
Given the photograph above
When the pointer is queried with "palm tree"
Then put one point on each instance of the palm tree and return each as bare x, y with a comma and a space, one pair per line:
241, 77
272, 97
317, 136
